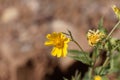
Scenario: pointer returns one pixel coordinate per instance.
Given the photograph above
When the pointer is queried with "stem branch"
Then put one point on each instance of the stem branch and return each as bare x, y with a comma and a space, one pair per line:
104, 64
113, 29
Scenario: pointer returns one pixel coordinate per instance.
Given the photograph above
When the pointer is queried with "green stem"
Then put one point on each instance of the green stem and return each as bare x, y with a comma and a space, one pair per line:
113, 29
94, 58
104, 64
90, 73
72, 39
115, 48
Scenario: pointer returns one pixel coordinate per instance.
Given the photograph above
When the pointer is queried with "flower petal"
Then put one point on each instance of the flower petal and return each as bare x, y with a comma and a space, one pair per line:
65, 50
59, 52
59, 42
54, 52
66, 40
48, 43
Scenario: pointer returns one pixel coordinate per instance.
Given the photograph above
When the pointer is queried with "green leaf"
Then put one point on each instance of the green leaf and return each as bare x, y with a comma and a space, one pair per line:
65, 79
115, 63
97, 69
101, 27
80, 56
108, 46
112, 44
77, 76
104, 78
100, 24
118, 44
86, 77
105, 70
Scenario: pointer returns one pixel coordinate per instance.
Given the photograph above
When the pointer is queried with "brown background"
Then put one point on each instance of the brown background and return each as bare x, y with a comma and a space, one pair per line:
24, 25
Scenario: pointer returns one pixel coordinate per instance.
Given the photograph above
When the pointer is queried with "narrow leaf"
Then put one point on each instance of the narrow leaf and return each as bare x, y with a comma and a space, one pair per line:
80, 56
101, 27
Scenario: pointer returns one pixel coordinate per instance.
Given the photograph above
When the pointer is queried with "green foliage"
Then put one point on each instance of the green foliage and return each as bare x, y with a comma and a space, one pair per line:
116, 63
77, 76
112, 57
104, 78
101, 27
86, 77
80, 56
102, 70
100, 24
110, 45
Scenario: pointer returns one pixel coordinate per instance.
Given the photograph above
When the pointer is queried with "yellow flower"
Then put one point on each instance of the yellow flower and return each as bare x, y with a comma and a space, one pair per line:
97, 77
116, 11
59, 42
94, 37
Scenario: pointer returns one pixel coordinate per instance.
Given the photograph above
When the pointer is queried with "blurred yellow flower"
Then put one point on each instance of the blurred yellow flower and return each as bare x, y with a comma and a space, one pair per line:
116, 11
97, 77
59, 42
94, 37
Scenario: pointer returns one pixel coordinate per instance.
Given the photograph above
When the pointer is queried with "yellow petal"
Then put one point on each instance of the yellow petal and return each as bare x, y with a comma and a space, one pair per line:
59, 41
53, 53
97, 77
59, 52
67, 40
65, 50
48, 43
116, 11
56, 52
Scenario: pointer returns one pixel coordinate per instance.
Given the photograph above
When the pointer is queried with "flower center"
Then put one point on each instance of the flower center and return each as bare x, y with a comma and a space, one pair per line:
59, 43
94, 39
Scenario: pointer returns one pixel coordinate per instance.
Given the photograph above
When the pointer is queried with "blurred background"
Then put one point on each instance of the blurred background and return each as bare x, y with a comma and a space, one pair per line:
23, 28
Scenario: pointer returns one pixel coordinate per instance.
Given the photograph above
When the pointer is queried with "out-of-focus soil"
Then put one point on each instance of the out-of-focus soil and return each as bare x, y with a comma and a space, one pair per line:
24, 25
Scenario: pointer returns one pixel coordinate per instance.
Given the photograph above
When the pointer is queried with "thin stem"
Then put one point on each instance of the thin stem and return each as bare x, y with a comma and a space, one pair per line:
115, 48
94, 58
104, 64
78, 45
65, 33
90, 73
113, 29
75, 41
72, 39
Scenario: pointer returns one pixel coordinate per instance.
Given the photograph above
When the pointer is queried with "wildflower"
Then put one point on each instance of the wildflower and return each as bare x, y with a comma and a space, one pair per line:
97, 77
94, 37
116, 11
59, 42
